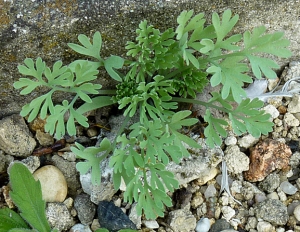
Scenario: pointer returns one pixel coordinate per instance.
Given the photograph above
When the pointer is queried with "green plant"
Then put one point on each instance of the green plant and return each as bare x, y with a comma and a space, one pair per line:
27, 195
164, 68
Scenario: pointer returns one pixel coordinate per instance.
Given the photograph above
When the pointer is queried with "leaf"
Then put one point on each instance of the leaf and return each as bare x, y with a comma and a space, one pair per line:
230, 73
111, 63
225, 26
10, 219
214, 129
88, 48
27, 195
93, 159
97, 102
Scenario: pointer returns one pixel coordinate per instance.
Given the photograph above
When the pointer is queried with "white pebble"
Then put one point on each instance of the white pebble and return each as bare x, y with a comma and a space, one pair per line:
151, 224
265, 227
288, 188
203, 225
228, 212
297, 212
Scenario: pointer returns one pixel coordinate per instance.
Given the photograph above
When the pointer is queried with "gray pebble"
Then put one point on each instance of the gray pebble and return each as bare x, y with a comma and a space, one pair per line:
85, 209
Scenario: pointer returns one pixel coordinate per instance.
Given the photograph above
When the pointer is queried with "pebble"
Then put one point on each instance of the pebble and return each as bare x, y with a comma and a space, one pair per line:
113, 218
228, 212
151, 224
86, 210
230, 140
182, 220
53, 183
45, 139
273, 211
210, 191
294, 105
265, 227
270, 183
32, 163
80, 228
203, 225
288, 188
247, 141
15, 137
297, 212
133, 215
59, 216
220, 225
236, 161
270, 109
290, 119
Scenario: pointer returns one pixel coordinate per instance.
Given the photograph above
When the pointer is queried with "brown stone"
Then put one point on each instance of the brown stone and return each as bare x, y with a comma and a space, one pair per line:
265, 157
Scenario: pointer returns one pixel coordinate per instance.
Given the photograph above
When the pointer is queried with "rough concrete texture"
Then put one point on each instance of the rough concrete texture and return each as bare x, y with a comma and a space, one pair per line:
32, 28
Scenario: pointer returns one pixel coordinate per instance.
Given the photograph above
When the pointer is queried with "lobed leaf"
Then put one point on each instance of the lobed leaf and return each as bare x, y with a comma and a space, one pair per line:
88, 48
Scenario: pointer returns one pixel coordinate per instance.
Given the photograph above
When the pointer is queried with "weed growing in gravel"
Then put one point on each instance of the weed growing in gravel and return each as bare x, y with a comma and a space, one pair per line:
164, 68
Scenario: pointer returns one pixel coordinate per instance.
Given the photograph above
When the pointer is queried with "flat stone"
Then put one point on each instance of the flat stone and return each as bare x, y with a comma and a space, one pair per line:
236, 161
15, 137
182, 220
53, 183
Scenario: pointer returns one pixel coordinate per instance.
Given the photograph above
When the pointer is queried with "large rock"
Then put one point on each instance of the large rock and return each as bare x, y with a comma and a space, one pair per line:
32, 28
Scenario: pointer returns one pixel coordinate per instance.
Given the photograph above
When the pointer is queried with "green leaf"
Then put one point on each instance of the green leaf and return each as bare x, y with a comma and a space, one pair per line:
214, 129
225, 26
27, 195
230, 73
10, 219
111, 63
93, 159
88, 48
97, 102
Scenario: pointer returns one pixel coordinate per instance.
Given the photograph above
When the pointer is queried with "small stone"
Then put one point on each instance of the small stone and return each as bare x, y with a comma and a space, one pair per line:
297, 212
282, 109
85, 209
45, 139
251, 223
203, 225
236, 161
273, 195
265, 157
294, 105
80, 228
32, 163
228, 212
247, 141
290, 119
151, 224
270, 183
113, 218
273, 211
288, 188
230, 140
265, 227
92, 132
182, 220
95, 225
220, 225
133, 215
15, 137
53, 183
291, 207
270, 109
59, 216
210, 191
